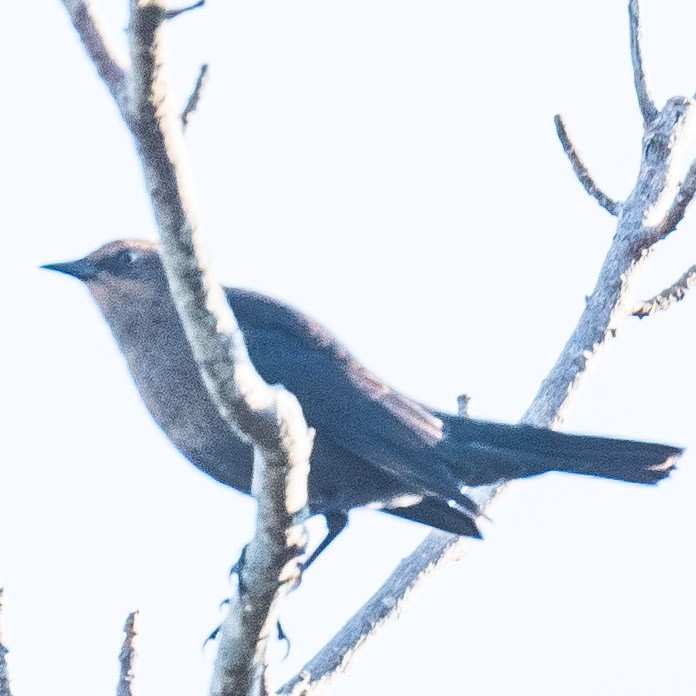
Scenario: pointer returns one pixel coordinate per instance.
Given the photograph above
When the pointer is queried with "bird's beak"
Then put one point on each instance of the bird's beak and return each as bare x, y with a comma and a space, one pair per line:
82, 269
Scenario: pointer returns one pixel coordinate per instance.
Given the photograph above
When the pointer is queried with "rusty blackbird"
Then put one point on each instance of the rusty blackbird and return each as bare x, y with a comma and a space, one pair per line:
373, 445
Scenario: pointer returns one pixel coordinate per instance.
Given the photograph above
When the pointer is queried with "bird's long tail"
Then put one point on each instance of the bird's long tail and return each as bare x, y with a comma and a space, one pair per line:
484, 453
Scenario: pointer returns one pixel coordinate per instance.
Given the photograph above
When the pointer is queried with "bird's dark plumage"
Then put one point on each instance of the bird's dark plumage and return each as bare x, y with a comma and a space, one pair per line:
373, 445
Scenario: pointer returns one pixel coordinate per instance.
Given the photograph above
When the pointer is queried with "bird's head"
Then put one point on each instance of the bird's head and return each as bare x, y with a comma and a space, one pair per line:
118, 274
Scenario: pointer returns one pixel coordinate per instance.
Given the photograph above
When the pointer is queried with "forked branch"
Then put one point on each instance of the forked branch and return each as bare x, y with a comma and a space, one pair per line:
668, 135
268, 417
158, 135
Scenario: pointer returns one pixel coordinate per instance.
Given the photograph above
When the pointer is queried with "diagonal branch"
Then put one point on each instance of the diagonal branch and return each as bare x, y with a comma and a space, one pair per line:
182, 10
679, 206
645, 101
664, 300
581, 170
194, 98
440, 548
111, 67
667, 137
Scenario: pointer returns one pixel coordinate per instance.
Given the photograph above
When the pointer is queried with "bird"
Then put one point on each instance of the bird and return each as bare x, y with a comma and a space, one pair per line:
373, 446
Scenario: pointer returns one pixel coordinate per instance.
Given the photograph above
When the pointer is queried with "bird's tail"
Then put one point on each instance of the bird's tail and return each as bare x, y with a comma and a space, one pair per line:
484, 453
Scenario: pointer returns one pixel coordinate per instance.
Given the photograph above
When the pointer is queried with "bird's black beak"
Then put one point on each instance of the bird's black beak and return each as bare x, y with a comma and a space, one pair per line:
82, 269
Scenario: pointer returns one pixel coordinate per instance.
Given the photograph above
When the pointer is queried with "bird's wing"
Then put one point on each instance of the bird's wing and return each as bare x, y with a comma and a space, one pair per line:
341, 399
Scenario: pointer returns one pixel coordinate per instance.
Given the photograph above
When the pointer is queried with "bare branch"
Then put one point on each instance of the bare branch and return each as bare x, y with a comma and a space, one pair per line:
581, 170
244, 634
665, 139
267, 417
175, 13
127, 656
144, 44
387, 603
256, 411
676, 213
4, 677
192, 103
664, 300
110, 66
645, 101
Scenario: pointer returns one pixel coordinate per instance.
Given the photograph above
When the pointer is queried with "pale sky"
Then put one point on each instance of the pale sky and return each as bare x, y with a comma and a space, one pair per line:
392, 169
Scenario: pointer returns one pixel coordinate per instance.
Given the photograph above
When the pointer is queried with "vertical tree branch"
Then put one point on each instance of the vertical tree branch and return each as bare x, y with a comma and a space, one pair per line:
267, 417
4, 677
244, 634
645, 101
127, 656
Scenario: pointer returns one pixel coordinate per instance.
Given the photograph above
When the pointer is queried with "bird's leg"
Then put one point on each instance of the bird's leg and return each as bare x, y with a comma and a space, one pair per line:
236, 569
335, 524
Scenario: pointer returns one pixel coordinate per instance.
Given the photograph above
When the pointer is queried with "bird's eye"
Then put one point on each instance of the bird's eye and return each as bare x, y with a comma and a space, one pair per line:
126, 257
122, 262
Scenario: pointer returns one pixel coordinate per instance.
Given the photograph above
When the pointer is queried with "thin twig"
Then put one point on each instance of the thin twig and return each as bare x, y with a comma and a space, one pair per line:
645, 100
581, 170
4, 677
127, 656
463, 403
192, 103
170, 14
664, 300
110, 66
